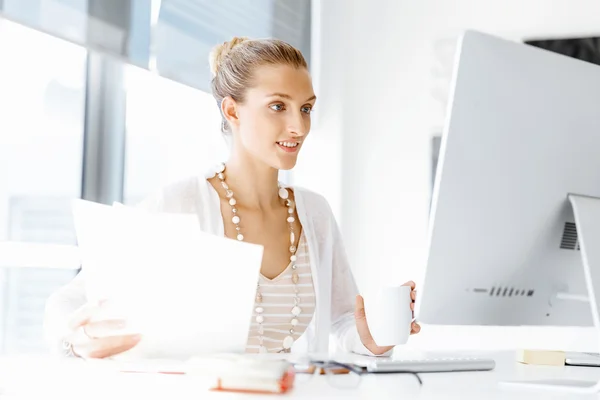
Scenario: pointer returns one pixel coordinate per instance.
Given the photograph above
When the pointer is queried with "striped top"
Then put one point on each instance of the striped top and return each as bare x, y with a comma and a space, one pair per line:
278, 301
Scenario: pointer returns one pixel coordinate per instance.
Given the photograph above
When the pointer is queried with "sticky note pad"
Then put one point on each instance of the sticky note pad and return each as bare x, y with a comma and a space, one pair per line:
541, 357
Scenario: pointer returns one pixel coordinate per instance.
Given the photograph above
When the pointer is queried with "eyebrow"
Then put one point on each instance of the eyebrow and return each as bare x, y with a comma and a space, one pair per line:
287, 96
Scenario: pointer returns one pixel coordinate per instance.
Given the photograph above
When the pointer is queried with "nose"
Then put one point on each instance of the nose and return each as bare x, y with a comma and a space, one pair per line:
298, 125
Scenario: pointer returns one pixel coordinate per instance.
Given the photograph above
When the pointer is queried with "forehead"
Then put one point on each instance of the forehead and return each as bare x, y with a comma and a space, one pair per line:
270, 79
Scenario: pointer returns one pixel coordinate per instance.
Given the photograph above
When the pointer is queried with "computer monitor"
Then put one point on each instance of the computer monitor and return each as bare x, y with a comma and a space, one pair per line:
522, 134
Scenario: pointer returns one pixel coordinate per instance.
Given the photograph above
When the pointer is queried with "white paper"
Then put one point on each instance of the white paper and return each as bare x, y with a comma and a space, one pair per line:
186, 291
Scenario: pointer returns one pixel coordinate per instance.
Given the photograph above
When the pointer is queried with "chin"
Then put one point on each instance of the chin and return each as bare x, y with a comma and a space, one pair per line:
283, 162
286, 165
280, 160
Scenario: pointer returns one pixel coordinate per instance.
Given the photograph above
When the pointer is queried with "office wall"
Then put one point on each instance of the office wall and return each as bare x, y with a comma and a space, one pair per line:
382, 73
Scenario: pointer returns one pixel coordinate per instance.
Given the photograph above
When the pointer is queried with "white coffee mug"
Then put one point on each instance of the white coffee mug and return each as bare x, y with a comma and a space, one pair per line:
389, 315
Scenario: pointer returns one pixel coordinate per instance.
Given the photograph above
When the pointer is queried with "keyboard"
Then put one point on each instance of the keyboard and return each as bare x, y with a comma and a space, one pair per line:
442, 364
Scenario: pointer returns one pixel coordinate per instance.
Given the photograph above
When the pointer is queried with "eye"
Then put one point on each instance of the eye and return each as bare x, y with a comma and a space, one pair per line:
307, 109
276, 107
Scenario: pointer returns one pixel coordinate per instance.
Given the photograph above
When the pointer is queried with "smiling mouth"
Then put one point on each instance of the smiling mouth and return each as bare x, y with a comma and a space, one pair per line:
289, 145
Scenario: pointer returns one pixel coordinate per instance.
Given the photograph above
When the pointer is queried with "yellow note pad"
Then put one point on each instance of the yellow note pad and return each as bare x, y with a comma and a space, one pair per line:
541, 357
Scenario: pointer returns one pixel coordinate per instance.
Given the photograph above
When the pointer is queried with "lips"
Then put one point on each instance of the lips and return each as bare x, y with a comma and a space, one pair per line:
289, 146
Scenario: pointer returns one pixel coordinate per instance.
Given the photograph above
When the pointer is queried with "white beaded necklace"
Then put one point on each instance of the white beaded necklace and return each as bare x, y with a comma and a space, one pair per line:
288, 341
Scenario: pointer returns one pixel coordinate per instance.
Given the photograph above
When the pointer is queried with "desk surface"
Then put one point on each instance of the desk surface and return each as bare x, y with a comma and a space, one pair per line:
35, 377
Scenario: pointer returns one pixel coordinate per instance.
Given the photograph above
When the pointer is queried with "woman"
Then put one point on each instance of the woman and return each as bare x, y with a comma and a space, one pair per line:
305, 291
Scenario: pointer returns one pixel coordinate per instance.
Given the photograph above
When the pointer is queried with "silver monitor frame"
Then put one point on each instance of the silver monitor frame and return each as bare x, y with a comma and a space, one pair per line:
520, 151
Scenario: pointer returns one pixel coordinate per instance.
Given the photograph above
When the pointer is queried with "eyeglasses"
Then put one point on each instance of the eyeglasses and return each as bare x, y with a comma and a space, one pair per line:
338, 375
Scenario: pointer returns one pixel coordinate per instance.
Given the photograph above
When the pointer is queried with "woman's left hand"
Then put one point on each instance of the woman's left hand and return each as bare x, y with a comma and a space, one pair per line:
363, 327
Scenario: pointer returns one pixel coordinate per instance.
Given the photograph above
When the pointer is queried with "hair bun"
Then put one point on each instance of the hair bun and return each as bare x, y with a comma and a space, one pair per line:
219, 52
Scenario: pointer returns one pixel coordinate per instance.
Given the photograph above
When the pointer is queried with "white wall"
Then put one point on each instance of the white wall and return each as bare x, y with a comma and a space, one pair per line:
381, 74
319, 167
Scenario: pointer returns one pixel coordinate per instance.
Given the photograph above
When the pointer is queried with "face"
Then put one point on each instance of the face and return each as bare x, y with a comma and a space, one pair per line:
273, 121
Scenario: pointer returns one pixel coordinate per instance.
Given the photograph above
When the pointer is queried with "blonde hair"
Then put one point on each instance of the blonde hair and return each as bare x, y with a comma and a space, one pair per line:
232, 65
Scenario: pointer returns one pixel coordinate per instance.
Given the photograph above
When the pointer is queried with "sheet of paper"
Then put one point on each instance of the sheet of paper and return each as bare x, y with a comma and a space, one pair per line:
186, 291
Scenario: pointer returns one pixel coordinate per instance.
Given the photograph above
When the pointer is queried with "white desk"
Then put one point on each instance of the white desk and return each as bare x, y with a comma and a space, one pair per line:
35, 378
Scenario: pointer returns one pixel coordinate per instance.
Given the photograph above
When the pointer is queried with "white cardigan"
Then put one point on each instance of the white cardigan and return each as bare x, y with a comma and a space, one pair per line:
335, 289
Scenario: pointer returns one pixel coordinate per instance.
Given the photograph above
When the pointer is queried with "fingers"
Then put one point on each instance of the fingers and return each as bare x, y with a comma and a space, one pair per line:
83, 315
413, 297
103, 328
108, 346
412, 284
415, 328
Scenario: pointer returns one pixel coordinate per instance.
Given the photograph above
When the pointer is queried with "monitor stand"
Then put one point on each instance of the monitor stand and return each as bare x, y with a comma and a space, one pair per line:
587, 219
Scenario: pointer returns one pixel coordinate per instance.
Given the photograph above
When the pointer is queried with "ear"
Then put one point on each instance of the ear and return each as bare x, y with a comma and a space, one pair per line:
229, 110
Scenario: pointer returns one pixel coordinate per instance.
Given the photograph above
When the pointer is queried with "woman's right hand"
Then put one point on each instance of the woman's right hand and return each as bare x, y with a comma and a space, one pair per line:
93, 339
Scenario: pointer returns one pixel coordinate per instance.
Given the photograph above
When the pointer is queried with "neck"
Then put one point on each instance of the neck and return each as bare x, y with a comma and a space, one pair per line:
254, 183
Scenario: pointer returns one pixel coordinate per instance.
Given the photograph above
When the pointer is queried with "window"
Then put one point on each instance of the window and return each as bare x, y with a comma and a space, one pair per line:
171, 37
173, 131
41, 134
